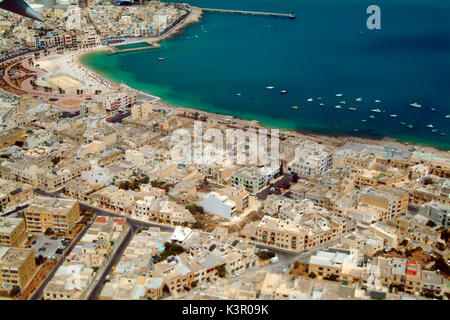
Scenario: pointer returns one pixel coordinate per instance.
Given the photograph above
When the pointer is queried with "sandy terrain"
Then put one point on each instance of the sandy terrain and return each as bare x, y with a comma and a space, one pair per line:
65, 82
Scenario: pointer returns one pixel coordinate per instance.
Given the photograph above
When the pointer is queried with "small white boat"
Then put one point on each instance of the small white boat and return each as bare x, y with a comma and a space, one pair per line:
356, 130
239, 94
294, 107
376, 110
447, 116
319, 98
434, 130
161, 59
270, 87
402, 123
377, 101
442, 134
415, 105
353, 109
372, 117
429, 126
409, 126
363, 120
342, 102
338, 106
393, 116
310, 100
433, 109
358, 99
338, 94
283, 91
321, 104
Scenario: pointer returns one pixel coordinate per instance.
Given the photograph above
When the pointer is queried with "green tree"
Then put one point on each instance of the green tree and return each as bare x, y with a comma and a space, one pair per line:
222, 271
14, 291
55, 160
197, 225
264, 255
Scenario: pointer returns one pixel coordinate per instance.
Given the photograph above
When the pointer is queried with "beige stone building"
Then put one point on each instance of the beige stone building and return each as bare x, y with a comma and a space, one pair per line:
12, 232
13, 194
392, 201
60, 215
17, 266
238, 194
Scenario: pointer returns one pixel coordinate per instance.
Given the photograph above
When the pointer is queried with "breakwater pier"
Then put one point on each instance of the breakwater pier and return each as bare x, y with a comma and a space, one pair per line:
253, 13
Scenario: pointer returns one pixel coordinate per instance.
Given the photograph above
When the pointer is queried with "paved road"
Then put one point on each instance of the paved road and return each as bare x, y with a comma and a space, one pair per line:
119, 117
286, 178
98, 284
288, 257
135, 226
38, 293
131, 221
17, 209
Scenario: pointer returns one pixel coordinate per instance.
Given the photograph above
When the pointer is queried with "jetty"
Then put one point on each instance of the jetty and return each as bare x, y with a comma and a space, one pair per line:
134, 46
253, 13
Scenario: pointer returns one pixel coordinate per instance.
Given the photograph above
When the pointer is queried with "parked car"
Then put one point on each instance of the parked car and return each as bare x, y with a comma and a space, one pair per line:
274, 260
42, 249
34, 242
54, 238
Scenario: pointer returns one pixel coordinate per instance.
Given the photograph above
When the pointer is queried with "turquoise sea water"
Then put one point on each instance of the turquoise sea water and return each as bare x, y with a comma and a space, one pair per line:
319, 54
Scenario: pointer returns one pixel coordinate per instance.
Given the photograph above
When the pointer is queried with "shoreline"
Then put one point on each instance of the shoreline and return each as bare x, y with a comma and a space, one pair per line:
334, 139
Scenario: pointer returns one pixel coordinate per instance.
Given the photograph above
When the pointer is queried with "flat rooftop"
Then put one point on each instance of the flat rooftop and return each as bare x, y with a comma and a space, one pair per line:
51, 204
14, 257
7, 225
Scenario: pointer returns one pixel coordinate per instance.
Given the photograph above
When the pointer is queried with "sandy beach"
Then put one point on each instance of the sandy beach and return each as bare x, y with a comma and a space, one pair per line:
68, 67
65, 72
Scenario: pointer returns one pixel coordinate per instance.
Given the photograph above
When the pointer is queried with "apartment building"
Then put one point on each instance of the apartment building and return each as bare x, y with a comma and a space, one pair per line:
55, 179
59, 215
12, 232
11, 136
310, 162
437, 190
254, 179
239, 195
74, 278
360, 160
218, 205
117, 101
392, 201
131, 277
17, 267
13, 194
364, 177
436, 212
310, 227
337, 264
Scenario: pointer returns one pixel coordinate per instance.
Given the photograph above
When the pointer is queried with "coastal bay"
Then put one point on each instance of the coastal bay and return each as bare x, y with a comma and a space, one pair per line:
223, 64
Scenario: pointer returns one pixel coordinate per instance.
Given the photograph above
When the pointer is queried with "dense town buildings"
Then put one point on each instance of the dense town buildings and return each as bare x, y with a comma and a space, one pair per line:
92, 179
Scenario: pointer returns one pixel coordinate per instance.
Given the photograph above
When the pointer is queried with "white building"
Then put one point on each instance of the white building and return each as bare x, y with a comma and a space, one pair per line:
219, 205
181, 233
